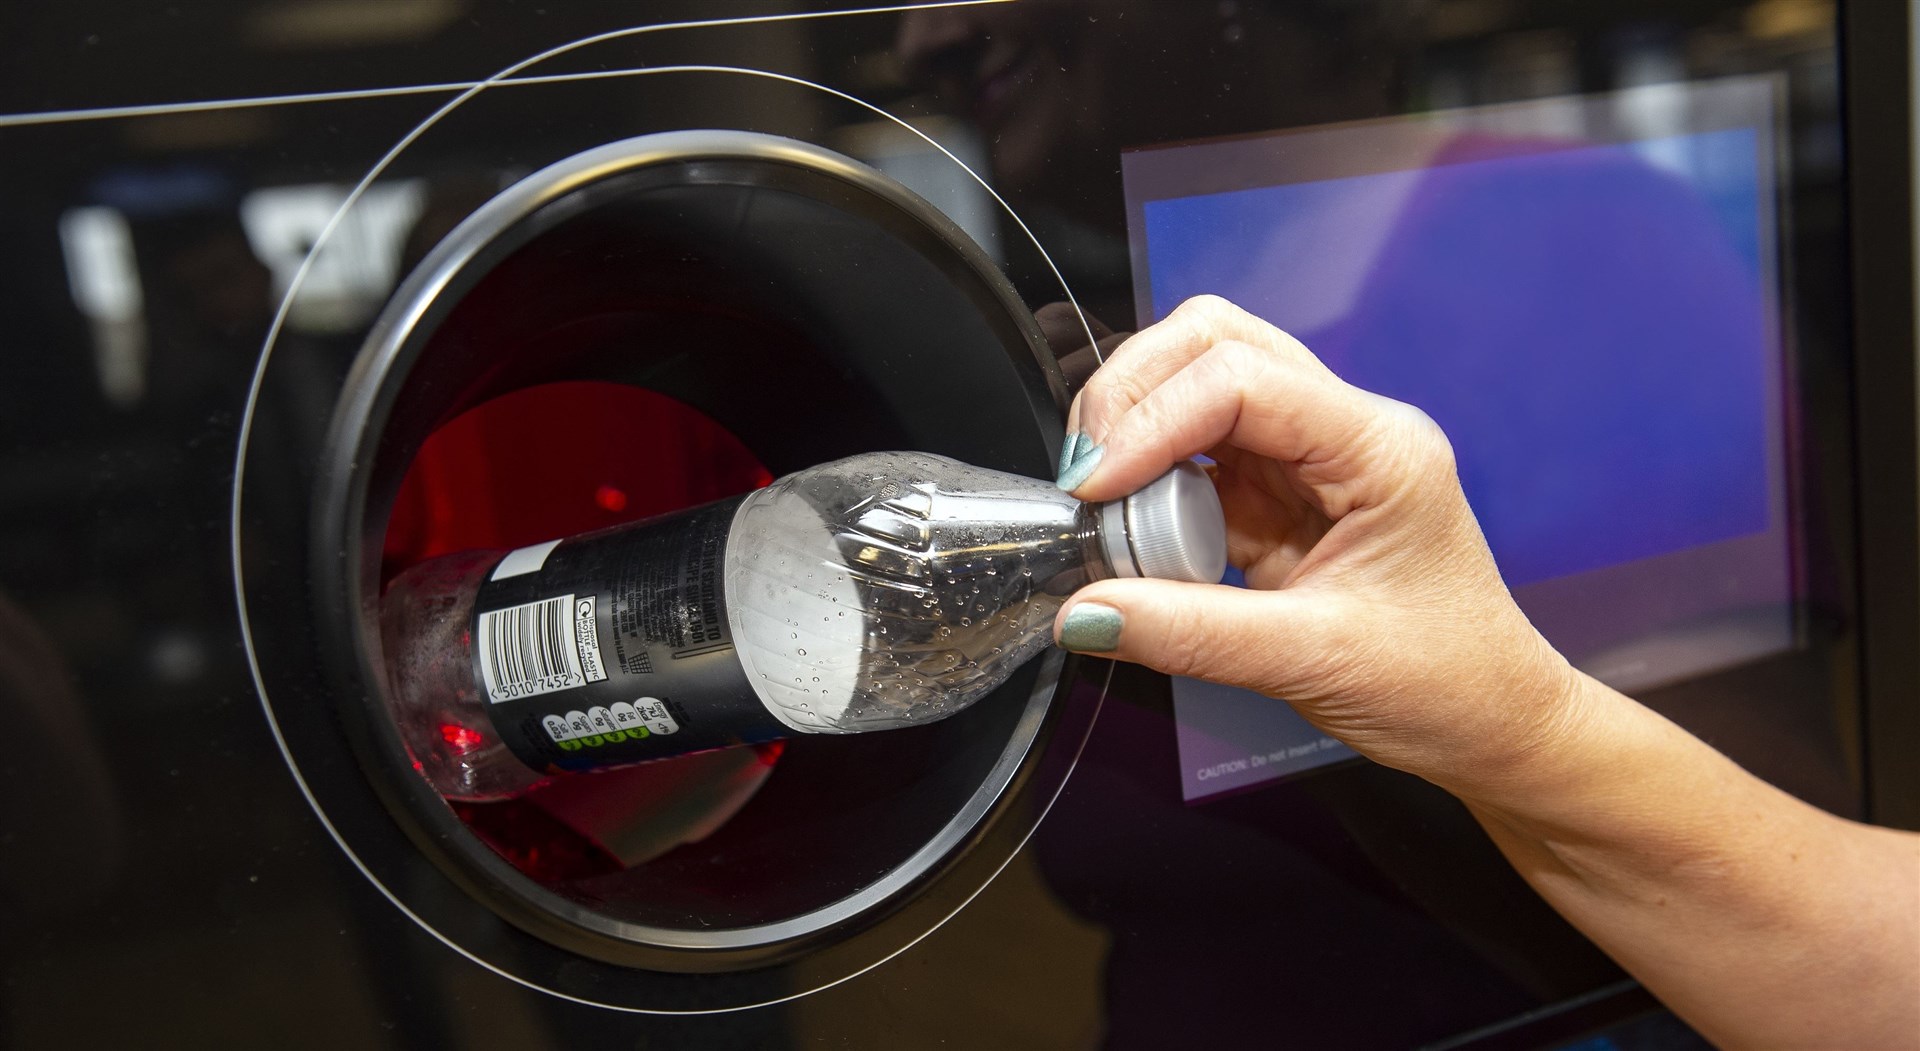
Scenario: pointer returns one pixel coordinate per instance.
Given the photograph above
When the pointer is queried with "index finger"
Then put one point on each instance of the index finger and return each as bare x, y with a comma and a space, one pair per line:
1272, 405
1157, 352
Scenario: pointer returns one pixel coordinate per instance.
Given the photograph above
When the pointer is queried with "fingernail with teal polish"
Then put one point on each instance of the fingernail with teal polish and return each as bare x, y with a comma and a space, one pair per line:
1091, 627
1082, 466
1067, 450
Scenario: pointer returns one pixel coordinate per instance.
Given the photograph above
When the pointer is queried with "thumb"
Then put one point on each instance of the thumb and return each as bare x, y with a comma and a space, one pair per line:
1264, 640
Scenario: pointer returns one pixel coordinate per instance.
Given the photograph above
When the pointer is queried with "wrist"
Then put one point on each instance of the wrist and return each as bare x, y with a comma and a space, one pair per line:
1568, 746
1614, 795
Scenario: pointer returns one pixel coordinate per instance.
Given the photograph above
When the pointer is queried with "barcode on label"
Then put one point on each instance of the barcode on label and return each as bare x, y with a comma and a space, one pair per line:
539, 647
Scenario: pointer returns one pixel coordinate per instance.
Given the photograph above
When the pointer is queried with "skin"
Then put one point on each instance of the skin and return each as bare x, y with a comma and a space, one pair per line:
1374, 608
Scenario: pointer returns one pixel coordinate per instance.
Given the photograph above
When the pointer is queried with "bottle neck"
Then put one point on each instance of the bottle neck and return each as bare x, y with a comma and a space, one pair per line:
1102, 532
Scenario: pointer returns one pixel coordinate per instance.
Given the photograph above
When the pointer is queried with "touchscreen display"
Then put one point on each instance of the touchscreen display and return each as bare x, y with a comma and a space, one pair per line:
1583, 292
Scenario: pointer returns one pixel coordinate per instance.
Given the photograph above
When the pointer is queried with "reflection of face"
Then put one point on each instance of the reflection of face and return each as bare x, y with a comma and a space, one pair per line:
1058, 87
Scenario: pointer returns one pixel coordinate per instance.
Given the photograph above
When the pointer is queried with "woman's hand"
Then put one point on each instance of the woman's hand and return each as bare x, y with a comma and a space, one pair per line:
1374, 606
1373, 603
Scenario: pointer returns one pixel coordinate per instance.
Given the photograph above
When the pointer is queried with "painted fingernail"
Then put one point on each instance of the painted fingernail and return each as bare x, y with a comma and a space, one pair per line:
1091, 627
1067, 451
1084, 461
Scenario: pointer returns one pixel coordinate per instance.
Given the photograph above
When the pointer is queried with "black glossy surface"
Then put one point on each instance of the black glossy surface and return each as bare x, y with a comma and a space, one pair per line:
811, 310
162, 880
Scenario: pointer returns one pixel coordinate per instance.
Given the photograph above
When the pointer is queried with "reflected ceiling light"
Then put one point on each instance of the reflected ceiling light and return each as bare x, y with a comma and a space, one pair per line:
349, 23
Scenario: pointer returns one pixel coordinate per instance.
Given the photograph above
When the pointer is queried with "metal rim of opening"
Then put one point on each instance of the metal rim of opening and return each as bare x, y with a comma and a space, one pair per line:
399, 335
352, 817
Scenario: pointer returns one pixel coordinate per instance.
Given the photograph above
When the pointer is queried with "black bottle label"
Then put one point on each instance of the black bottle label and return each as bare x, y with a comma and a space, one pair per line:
614, 647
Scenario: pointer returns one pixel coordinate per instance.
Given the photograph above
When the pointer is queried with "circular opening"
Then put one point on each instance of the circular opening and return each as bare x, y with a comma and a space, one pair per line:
639, 331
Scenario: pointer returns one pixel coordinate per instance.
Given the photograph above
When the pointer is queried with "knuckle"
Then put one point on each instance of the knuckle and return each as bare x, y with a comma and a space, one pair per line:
1153, 415
1206, 305
1286, 345
1257, 374
1127, 388
1109, 395
1240, 360
1222, 320
1209, 315
1120, 385
1099, 387
1436, 449
1420, 437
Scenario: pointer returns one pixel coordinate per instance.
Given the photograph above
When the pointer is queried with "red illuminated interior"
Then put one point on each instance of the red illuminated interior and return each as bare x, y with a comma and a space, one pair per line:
552, 461
560, 459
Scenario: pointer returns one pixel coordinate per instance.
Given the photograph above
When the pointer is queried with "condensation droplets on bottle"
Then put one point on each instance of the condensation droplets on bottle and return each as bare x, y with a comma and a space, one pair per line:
883, 590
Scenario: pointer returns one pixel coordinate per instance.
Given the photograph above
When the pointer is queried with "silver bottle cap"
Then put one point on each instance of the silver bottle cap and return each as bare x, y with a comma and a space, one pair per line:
1173, 529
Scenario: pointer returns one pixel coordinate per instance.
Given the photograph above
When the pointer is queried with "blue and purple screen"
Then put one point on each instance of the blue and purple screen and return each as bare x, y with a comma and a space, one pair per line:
1583, 293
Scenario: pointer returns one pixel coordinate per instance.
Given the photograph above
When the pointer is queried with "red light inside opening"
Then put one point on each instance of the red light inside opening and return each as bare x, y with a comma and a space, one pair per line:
554, 461
610, 499
460, 737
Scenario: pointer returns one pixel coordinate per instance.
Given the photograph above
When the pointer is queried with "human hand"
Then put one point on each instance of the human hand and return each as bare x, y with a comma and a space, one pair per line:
1372, 603
1375, 608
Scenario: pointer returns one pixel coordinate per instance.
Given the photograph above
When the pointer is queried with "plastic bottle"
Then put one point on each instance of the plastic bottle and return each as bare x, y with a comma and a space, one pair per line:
879, 591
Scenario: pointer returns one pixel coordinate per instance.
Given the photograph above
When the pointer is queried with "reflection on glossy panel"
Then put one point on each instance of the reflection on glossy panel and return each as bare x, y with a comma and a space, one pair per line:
146, 257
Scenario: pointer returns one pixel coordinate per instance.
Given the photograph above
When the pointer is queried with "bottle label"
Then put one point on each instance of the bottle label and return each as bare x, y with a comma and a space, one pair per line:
614, 647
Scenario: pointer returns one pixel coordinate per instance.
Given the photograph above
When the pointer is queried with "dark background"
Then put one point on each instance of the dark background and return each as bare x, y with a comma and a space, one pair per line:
162, 882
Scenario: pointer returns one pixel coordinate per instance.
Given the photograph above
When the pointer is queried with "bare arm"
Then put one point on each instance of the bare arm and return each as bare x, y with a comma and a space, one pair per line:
1762, 921
1375, 609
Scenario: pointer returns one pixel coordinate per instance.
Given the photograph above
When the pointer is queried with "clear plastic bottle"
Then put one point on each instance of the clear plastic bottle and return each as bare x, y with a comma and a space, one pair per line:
879, 591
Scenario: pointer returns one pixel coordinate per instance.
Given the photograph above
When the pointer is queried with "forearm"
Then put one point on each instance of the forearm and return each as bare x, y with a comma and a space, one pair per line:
1374, 606
1762, 921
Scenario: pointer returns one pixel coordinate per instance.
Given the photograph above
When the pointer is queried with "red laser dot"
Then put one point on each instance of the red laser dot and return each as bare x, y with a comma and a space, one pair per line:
460, 738
610, 499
